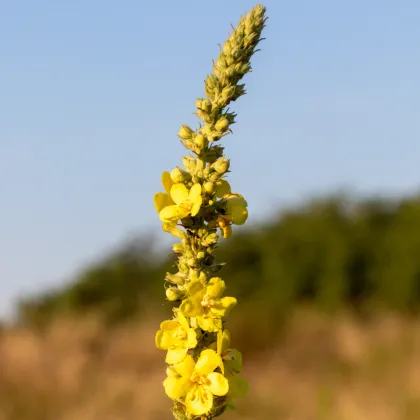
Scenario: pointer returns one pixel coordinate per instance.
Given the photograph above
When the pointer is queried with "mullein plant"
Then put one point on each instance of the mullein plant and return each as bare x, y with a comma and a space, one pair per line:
198, 206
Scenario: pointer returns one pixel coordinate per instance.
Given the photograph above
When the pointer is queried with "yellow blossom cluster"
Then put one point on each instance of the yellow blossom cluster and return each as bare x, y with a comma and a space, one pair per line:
198, 206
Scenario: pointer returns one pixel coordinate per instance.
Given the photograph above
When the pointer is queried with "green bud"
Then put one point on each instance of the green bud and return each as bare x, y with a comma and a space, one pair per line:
222, 124
221, 165
228, 92
221, 61
185, 132
173, 294
209, 187
179, 176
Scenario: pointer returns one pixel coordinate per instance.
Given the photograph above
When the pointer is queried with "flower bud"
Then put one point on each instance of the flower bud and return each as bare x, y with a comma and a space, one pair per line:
227, 231
189, 163
173, 294
222, 124
184, 267
178, 248
201, 255
200, 165
179, 176
211, 239
221, 165
185, 132
222, 188
174, 278
214, 176
236, 209
200, 141
192, 262
209, 187
228, 92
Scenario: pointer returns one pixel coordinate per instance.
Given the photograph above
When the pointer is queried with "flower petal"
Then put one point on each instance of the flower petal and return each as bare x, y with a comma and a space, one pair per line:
219, 385
215, 287
163, 340
195, 193
223, 341
169, 214
167, 182
199, 400
222, 307
207, 362
186, 367
191, 307
173, 230
169, 325
192, 339
161, 200
179, 193
196, 206
196, 287
182, 320
209, 322
176, 387
176, 355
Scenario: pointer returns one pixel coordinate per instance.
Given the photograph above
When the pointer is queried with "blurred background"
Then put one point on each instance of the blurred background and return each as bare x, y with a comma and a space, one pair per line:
325, 150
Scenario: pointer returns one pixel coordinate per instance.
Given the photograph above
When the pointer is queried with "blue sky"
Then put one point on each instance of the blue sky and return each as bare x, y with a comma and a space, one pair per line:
92, 94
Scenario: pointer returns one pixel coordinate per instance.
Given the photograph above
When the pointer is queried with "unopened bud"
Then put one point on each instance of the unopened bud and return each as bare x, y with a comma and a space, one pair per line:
192, 262
222, 188
184, 267
201, 255
174, 278
211, 239
200, 141
185, 132
189, 163
222, 124
209, 187
221, 165
178, 248
173, 294
214, 176
179, 176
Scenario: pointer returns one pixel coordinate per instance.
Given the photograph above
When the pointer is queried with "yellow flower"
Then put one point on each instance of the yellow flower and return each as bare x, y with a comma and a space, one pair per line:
177, 337
236, 209
197, 382
206, 304
161, 199
186, 203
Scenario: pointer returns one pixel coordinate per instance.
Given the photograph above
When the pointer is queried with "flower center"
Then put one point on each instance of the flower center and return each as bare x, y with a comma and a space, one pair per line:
198, 379
207, 301
180, 333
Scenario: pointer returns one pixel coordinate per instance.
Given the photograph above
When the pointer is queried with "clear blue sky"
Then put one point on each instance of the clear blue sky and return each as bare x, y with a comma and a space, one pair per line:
92, 94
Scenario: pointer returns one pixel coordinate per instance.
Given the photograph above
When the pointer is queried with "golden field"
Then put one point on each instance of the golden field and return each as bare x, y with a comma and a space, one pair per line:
320, 368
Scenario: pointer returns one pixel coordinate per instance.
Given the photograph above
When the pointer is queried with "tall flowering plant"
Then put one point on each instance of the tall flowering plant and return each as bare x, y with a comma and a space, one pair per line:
198, 206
